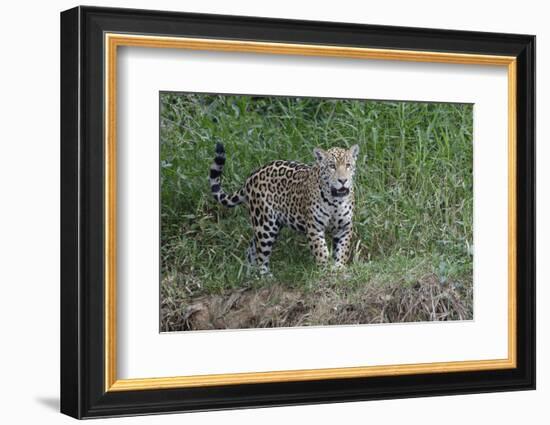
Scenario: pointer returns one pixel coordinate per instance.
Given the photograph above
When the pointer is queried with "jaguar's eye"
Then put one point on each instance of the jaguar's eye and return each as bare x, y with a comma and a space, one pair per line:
332, 166
348, 165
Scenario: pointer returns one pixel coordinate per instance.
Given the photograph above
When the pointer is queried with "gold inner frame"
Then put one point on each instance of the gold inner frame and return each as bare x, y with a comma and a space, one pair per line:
113, 41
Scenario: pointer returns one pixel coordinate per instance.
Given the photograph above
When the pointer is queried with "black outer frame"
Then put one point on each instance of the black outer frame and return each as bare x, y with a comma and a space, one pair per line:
82, 217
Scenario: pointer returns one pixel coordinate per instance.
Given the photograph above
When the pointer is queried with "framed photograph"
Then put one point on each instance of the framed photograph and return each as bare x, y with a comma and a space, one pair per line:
261, 212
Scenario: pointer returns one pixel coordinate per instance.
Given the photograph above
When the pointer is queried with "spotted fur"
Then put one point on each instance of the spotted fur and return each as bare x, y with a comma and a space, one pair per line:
312, 199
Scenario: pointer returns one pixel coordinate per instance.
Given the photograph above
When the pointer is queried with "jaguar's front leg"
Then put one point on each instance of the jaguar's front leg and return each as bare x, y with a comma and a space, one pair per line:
318, 245
341, 240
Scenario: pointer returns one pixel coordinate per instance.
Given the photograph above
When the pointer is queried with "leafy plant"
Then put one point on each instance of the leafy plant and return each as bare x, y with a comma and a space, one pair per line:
414, 188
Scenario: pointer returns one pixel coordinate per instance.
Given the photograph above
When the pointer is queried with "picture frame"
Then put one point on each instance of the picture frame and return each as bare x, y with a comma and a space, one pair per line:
90, 40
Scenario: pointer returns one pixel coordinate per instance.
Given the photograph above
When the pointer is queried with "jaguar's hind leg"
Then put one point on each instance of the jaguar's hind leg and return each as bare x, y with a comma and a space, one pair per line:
251, 255
265, 235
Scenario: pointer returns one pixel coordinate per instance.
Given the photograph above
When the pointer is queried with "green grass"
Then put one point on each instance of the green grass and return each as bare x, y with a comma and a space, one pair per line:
413, 187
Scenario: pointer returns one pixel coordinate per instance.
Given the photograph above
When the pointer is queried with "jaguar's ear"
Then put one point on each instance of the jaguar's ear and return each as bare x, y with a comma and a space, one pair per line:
319, 154
354, 150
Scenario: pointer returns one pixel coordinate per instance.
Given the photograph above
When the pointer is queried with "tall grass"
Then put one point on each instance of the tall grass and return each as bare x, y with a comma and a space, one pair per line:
413, 187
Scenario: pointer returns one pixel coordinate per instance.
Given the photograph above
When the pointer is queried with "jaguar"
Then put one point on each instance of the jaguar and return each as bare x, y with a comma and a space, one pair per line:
315, 199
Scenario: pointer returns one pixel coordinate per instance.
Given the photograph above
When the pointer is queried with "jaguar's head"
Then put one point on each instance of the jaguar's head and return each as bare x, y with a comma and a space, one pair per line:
336, 169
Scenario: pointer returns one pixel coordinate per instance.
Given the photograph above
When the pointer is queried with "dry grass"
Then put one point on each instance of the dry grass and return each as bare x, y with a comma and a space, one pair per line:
276, 305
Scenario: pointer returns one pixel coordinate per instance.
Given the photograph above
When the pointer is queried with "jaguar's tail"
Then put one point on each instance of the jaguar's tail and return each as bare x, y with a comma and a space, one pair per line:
215, 181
